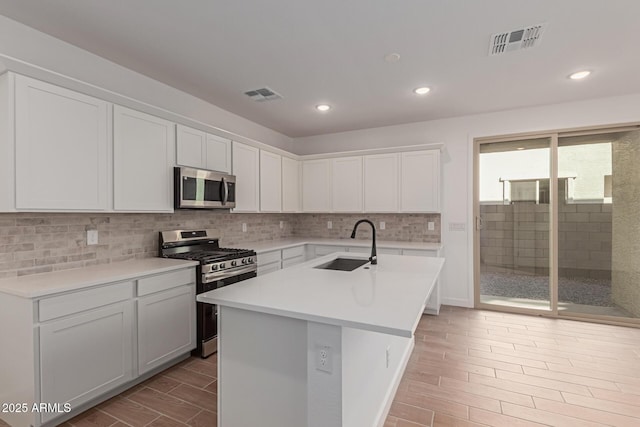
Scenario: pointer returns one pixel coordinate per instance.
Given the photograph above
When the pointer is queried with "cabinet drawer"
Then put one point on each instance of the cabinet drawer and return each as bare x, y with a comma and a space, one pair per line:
292, 261
268, 257
416, 252
161, 282
292, 252
63, 305
326, 250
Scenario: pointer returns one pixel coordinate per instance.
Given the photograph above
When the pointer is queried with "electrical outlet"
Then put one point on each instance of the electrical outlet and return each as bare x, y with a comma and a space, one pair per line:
244, 227
281, 225
329, 225
92, 237
324, 358
431, 226
383, 225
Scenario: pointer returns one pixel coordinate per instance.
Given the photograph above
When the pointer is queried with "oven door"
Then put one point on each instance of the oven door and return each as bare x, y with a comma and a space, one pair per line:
202, 189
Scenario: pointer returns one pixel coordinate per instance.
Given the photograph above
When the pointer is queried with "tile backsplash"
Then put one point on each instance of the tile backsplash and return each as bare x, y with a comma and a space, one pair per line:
33, 243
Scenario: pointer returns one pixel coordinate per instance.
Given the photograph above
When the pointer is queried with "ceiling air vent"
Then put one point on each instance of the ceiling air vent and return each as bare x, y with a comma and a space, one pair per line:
263, 94
516, 39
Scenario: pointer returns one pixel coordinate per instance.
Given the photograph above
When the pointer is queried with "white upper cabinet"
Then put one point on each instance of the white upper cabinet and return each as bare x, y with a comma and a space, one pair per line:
218, 153
198, 149
290, 185
191, 148
143, 156
246, 167
381, 183
316, 185
347, 184
420, 181
270, 182
61, 148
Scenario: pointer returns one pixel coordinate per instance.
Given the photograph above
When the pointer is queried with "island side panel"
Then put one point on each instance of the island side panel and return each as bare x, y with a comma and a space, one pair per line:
18, 375
373, 364
324, 375
262, 365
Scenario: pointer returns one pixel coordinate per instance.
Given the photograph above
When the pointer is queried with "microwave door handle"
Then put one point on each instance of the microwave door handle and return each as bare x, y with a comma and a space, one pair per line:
225, 191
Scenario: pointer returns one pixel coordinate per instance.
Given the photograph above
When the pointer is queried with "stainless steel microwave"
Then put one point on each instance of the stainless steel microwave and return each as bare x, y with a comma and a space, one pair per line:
203, 189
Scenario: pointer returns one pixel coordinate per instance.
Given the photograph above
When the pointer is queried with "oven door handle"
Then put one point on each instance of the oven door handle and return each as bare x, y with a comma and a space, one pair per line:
219, 275
225, 191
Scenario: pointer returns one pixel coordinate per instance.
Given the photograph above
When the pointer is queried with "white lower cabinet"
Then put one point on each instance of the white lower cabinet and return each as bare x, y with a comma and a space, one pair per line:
85, 355
268, 262
75, 347
166, 326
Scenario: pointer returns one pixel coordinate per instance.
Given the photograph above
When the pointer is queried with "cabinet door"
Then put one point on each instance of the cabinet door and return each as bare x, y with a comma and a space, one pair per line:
290, 185
347, 184
218, 153
190, 147
316, 185
270, 182
86, 355
381, 183
143, 147
166, 326
61, 150
246, 168
420, 181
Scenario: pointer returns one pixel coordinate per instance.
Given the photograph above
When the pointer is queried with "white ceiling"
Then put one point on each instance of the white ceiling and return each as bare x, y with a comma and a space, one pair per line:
332, 51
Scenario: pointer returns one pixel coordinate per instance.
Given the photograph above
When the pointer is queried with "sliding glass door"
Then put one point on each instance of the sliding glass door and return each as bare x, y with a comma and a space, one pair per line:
513, 223
558, 224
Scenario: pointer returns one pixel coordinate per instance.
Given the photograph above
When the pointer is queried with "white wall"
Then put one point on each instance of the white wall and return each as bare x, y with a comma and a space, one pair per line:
458, 134
30, 52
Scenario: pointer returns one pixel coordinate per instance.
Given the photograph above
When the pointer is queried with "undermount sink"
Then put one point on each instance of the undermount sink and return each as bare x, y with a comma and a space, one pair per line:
343, 264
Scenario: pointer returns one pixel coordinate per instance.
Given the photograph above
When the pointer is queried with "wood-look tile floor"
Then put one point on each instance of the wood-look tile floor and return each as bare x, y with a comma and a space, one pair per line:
469, 368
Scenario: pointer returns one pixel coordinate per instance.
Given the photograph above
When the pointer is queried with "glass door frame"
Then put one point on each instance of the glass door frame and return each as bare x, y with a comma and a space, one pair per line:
553, 223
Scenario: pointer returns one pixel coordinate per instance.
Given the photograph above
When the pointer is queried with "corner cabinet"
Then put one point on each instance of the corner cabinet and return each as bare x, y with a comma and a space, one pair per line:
61, 148
246, 168
290, 185
270, 182
143, 158
198, 149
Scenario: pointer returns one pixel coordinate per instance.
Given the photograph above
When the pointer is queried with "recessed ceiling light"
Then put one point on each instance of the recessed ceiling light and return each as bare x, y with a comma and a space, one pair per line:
579, 75
323, 107
422, 90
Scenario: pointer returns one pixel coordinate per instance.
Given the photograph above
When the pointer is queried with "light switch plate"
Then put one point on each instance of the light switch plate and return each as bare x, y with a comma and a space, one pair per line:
431, 226
383, 225
329, 225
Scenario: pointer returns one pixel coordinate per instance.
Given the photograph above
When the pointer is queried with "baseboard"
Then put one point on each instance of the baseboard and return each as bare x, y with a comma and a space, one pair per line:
457, 302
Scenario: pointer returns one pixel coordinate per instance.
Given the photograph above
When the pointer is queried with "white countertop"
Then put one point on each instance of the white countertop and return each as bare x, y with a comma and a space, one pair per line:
39, 285
387, 298
273, 245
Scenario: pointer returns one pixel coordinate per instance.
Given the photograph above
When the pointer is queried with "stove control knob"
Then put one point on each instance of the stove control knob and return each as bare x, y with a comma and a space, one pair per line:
233, 263
222, 266
250, 260
214, 267
244, 260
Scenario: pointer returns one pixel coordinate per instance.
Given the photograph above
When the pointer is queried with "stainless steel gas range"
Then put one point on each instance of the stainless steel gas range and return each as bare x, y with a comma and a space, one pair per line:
218, 267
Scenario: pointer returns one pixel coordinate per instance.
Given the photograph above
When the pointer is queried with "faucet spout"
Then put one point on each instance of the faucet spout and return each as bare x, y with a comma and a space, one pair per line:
374, 256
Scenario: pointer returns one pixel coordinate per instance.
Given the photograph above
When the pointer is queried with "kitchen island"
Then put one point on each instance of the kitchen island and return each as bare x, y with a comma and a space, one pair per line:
313, 347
